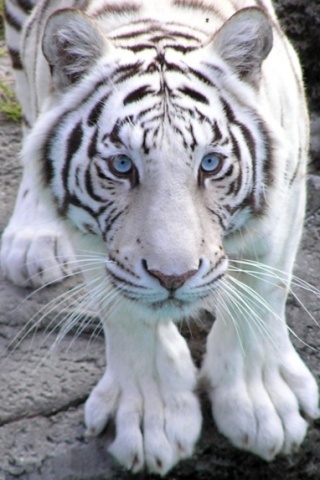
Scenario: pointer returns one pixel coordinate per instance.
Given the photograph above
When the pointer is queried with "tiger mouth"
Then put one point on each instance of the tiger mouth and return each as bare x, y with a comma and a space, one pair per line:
170, 303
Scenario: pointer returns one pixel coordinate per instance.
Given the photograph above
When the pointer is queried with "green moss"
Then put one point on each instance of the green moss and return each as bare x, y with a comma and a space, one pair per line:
8, 103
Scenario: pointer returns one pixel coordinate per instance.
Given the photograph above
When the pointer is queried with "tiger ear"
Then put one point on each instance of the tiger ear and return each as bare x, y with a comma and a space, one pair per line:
71, 44
244, 41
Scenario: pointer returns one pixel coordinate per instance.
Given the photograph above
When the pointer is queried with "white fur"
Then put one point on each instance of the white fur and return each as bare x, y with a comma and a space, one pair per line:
256, 380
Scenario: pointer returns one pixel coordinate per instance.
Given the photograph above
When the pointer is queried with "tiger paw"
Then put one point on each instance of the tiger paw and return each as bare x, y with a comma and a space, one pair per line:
258, 402
157, 417
33, 257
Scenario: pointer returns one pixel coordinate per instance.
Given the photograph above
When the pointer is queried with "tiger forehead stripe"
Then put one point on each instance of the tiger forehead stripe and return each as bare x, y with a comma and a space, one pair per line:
125, 7
125, 72
152, 32
197, 5
138, 94
96, 111
195, 95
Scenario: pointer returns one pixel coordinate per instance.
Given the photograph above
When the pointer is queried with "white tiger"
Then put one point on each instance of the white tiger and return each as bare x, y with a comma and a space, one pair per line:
169, 143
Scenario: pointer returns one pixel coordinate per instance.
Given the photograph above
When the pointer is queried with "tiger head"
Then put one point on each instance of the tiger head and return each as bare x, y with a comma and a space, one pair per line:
155, 150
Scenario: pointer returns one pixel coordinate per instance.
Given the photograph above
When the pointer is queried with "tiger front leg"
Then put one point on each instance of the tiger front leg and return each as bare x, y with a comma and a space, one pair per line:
148, 389
35, 249
261, 391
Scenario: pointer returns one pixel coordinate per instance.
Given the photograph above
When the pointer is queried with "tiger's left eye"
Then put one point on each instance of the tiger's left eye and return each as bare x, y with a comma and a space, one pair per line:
211, 164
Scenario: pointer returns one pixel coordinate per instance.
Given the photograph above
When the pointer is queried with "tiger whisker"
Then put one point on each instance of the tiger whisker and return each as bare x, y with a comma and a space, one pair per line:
249, 307
276, 273
286, 278
46, 310
223, 308
71, 322
252, 294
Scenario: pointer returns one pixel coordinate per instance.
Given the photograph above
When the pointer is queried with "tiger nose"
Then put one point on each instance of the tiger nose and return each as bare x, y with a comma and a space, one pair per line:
171, 282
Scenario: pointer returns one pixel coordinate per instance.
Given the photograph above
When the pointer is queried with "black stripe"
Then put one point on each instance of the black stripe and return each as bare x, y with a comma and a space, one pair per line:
92, 148
178, 131
214, 68
146, 149
181, 48
219, 217
74, 141
243, 128
212, 270
216, 132
96, 111
202, 77
114, 136
185, 36
228, 111
268, 161
122, 8
137, 95
194, 141
237, 154
103, 209
136, 48
232, 188
190, 92
298, 165
155, 109
89, 187
197, 5
148, 26
47, 169
119, 280
73, 144
249, 140
125, 72
12, 21
15, 59
112, 220
126, 269
26, 5
54, 131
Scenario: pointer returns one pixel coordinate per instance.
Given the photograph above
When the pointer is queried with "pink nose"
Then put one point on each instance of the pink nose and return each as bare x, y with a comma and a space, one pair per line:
172, 282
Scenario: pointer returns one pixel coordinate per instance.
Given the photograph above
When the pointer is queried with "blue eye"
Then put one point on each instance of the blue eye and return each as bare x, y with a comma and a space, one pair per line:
211, 163
121, 165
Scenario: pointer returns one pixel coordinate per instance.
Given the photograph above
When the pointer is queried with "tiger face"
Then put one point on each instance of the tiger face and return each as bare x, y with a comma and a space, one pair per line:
152, 164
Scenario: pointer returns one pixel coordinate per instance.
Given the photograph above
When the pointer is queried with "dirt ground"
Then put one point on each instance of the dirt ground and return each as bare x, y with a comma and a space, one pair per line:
42, 391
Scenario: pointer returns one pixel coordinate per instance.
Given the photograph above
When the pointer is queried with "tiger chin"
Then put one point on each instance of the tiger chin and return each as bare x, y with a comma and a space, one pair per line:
165, 155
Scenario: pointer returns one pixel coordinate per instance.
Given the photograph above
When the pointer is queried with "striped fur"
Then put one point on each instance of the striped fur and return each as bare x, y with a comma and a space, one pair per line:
168, 141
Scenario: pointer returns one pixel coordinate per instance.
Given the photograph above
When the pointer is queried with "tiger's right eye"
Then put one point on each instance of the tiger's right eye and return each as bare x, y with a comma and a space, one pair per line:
122, 166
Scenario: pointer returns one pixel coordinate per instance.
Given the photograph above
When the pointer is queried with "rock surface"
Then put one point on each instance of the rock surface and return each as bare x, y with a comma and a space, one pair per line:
44, 383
